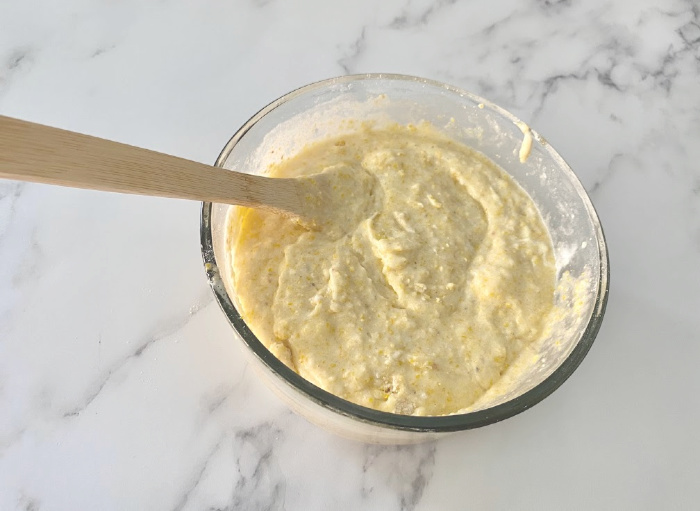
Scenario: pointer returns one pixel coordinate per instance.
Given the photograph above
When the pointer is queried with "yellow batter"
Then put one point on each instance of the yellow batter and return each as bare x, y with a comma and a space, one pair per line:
421, 307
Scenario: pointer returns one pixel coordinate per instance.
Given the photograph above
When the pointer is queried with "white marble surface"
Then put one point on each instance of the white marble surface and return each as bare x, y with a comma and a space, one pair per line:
120, 386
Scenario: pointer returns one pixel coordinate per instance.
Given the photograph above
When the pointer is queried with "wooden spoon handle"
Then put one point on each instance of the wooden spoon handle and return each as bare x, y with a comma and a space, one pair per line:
37, 153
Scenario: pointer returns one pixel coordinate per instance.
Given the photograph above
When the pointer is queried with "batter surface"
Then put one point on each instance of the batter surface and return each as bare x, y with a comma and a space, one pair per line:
419, 308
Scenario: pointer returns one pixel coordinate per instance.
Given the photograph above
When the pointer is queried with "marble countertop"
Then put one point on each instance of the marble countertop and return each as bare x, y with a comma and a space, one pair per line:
120, 384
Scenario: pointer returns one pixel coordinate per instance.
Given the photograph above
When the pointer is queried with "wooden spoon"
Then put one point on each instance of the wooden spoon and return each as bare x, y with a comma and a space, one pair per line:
41, 154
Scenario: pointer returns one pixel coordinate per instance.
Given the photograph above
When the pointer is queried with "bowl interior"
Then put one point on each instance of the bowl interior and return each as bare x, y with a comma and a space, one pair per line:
336, 106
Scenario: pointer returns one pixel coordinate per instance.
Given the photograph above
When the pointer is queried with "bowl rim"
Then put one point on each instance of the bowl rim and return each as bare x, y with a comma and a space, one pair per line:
446, 423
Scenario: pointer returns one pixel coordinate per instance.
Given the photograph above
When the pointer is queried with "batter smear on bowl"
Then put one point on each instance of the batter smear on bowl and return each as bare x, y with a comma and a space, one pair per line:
420, 307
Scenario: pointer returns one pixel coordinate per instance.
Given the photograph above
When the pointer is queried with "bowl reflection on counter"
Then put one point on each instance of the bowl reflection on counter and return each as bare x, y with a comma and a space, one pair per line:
335, 106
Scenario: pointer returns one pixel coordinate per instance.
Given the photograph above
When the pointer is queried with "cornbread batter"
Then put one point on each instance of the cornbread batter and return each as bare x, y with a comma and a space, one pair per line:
421, 306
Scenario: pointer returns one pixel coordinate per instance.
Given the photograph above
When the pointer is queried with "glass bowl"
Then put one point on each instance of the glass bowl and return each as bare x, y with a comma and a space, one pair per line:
321, 109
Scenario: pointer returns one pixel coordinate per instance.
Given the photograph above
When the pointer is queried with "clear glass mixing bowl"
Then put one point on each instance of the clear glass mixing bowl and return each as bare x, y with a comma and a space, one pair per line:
321, 109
